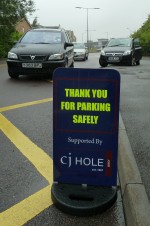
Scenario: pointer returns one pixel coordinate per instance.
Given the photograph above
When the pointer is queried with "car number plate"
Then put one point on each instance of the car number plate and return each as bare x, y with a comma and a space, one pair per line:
32, 65
113, 58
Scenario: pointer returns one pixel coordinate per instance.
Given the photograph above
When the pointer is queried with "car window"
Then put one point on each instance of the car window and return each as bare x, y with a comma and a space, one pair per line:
79, 46
119, 42
42, 37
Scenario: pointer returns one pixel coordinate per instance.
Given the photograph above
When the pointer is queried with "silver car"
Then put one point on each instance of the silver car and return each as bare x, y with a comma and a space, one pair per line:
80, 51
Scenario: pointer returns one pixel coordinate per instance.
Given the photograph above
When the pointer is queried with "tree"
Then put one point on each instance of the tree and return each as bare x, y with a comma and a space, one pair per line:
11, 11
35, 23
143, 34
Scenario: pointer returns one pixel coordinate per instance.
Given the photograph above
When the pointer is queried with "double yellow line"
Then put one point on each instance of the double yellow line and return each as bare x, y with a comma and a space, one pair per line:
22, 212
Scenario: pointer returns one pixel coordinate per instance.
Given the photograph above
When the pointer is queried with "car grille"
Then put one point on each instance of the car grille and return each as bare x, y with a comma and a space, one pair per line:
114, 54
33, 57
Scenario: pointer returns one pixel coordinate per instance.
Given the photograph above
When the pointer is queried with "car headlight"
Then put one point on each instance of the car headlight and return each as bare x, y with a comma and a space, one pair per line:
102, 52
56, 57
127, 52
12, 55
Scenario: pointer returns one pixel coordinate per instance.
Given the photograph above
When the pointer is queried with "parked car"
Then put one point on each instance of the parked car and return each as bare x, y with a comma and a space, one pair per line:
121, 50
40, 51
80, 51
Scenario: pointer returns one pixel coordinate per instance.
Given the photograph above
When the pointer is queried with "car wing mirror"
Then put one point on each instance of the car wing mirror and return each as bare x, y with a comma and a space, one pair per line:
68, 44
136, 42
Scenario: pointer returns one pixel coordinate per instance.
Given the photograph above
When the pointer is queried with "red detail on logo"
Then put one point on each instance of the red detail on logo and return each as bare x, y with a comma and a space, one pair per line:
108, 163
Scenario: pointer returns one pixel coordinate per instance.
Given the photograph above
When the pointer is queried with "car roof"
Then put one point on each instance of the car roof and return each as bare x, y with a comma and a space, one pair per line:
78, 42
121, 38
47, 29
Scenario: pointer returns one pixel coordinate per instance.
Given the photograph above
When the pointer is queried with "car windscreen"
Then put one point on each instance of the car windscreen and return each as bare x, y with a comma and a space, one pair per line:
79, 46
119, 42
42, 37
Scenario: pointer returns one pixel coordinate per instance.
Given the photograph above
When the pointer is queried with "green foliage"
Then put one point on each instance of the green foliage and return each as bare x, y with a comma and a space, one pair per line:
15, 36
4, 40
2, 51
6, 45
35, 23
11, 11
143, 34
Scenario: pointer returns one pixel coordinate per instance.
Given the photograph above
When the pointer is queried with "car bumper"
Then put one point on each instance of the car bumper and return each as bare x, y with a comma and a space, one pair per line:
47, 67
116, 59
79, 56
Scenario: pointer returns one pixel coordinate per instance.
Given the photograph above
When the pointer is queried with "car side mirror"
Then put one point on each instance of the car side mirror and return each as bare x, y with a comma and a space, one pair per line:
68, 44
136, 42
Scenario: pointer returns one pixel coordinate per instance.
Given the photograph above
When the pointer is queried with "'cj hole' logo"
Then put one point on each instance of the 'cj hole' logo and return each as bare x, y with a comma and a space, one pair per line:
69, 161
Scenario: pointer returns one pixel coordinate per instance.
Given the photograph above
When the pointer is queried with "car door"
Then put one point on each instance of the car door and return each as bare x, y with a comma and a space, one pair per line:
137, 49
69, 49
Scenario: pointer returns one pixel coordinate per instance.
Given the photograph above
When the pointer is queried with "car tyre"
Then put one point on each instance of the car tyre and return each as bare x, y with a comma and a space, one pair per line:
132, 61
66, 63
12, 75
138, 62
103, 64
84, 59
72, 64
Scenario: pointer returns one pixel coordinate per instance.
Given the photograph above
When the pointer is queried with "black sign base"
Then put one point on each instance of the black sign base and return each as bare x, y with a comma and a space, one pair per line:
81, 200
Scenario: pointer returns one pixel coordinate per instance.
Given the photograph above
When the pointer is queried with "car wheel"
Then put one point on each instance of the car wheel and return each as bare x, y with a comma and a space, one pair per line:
84, 58
132, 61
103, 64
12, 75
66, 63
72, 64
137, 62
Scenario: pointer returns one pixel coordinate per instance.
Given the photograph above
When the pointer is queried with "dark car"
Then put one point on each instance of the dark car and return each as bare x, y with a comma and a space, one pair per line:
121, 50
40, 51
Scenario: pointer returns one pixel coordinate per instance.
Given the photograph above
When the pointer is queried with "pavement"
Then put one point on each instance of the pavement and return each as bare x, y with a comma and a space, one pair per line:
2, 61
135, 201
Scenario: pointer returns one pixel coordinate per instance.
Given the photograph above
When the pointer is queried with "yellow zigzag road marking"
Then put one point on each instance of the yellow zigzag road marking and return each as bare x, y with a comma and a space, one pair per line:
8, 108
20, 213
27, 209
31, 151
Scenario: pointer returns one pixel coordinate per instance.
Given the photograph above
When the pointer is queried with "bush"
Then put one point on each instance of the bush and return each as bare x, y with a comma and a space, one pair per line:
2, 51
5, 45
146, 50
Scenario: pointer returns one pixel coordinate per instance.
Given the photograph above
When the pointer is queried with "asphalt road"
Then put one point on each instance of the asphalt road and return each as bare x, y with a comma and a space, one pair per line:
135, 111
26, 145
26, 157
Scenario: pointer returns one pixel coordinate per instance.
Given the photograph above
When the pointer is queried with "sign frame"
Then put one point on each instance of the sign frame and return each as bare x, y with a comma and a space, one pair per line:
85, 144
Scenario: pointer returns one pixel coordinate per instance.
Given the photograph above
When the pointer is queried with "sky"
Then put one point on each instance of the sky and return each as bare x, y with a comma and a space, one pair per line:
115, 18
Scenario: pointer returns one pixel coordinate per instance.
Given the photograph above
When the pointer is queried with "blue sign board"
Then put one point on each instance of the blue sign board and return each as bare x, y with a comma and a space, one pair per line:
85, 126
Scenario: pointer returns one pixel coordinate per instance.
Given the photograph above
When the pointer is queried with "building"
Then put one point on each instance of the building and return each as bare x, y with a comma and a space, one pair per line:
72, 36
23, 26
102, 42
